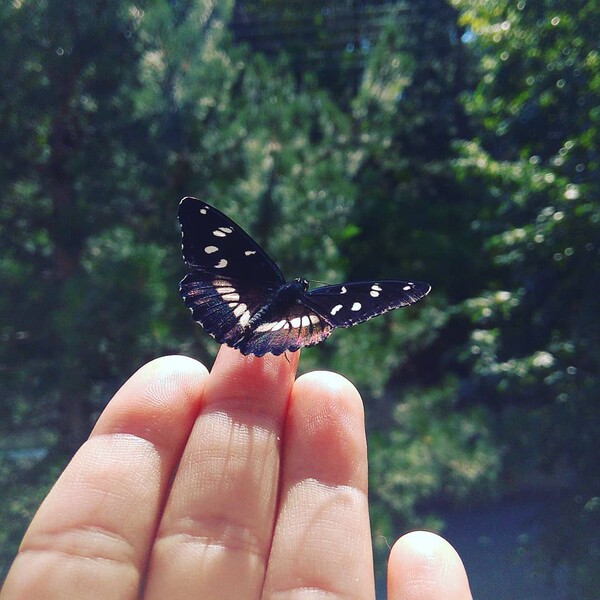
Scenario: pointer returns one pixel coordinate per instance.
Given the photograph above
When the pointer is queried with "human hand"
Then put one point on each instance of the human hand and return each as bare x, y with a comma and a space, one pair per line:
241, 483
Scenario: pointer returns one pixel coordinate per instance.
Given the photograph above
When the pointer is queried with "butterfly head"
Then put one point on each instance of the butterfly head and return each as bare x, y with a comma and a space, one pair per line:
302, 283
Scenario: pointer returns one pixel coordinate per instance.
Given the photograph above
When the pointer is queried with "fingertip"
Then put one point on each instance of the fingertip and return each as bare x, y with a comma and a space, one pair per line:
330, 389
329, 382
176, 372
329, 396
175, 364
425, 566
167, 390
250, 380
326, 420
170, 370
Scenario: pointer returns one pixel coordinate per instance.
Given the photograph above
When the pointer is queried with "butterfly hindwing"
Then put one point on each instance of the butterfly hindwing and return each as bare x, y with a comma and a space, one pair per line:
213, 243
347, 304
300, 326
223, 306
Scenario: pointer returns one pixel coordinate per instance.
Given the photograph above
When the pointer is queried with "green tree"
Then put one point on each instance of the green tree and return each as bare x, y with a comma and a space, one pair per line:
80, 291
413, 219
535, 345
67, 186
239, 131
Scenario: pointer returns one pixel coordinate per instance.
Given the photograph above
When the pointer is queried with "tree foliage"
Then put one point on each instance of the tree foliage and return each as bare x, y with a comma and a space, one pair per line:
534, 347
466, 155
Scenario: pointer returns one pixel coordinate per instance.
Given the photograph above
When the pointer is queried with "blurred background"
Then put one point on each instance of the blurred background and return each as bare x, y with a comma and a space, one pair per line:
454, 142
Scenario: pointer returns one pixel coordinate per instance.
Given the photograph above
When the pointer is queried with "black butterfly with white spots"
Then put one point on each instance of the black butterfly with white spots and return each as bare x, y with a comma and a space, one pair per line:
240, 297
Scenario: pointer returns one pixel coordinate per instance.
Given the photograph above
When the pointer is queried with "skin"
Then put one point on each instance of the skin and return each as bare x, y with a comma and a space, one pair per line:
243, 483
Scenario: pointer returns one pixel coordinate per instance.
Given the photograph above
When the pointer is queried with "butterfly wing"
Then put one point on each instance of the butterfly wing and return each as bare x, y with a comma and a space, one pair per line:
214, 244
300, 326
317, 313
223, 306
347, 304
231, 277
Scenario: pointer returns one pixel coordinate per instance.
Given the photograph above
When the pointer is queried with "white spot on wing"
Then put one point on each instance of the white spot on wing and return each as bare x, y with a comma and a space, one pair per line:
305, 321
232, 297
376, 287
408, 287
280, 325
336, 309
296, 322
221, 264
203, 211
222, 231
239, 310
225, 289
313, 319
374, 293
250, 252
210, 249
245, 318
270, 326
356, 306
343, 290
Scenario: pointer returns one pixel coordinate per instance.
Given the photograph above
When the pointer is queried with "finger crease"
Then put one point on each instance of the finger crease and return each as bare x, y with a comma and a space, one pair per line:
82, 542
220, 533
308, 592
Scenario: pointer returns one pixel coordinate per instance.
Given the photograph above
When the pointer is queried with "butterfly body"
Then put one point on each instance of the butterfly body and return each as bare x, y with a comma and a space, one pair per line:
240, 297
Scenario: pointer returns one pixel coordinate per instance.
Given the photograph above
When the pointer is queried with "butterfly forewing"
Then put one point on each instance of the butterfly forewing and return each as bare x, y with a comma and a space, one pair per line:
351, 303
213, 243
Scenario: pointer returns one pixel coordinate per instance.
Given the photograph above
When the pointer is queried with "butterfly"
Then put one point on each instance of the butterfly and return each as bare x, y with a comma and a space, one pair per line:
241, 298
